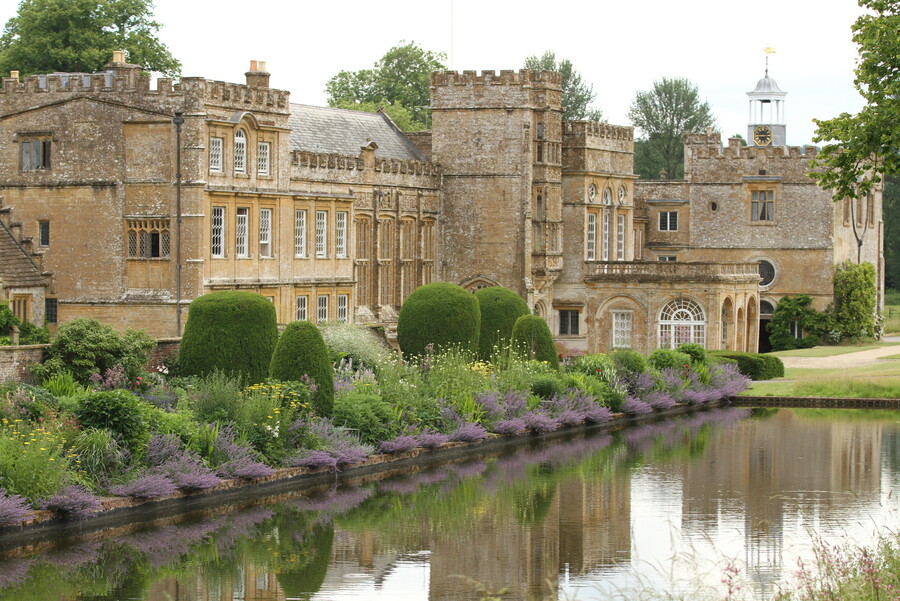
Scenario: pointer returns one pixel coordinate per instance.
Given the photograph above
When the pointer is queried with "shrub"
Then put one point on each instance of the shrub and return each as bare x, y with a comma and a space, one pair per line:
13, 509
100, 457
698, 354
628, 362
367, 414
400, 444
358, 346
854, 299
151, 486
547, 386
216, 397
500, 308
593, 365
796, 310
74, 502
441, 315
28, 332
62, 384
230, 331
300, 352
236, 459
532, 337
85, 346
119, 411
663, 358
32, 463
469, 432
755, 366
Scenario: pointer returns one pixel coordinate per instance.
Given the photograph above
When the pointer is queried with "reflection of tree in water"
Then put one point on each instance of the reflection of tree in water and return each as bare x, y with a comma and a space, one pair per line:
303, 571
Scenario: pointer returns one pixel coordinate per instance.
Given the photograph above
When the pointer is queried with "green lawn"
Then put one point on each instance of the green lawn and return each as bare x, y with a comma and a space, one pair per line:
879, 380
831, 351
891, 319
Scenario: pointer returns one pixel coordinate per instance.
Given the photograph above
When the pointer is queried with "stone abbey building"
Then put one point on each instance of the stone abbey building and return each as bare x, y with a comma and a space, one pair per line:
111, 210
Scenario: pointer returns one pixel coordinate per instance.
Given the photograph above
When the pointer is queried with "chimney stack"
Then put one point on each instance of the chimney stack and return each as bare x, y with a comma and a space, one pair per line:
257, 76
14, 75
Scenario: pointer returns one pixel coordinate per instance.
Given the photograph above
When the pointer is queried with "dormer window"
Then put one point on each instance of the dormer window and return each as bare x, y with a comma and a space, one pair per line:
240, 151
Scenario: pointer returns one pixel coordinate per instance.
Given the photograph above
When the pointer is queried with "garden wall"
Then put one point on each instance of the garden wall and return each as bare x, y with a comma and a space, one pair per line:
14, 360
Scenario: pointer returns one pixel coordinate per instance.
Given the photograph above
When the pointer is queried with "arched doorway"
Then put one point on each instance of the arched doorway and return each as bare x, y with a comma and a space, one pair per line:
752, 323
739, 331
766, 309
727, 318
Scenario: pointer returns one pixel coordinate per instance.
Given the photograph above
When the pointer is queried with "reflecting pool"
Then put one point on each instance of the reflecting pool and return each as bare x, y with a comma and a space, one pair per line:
661, 510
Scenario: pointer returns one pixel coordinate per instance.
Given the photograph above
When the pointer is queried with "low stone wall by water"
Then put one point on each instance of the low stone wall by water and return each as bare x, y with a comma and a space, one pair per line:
814, 402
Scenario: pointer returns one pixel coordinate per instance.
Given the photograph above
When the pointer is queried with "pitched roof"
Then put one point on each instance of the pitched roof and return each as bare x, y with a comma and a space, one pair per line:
339, 131
17, 270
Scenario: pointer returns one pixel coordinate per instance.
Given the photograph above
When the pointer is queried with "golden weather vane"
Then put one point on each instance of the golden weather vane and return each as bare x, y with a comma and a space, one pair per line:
768, 50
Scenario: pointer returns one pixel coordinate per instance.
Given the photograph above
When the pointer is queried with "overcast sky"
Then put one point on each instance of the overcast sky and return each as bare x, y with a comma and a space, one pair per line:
619, 47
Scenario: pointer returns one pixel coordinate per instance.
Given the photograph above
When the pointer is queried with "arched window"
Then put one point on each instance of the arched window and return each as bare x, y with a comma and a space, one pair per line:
240, 151
681, 320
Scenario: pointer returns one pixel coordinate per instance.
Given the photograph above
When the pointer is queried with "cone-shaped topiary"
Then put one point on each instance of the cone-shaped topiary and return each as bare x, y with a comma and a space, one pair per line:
301, 351
440, 314
531, 336
500, 308
229, 331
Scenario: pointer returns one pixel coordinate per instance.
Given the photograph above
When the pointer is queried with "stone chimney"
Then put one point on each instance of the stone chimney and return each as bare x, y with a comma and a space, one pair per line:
14, 75
257, 76
120, 68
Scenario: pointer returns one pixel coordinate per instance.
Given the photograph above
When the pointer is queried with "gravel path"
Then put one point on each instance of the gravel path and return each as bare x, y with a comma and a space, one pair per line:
857, 359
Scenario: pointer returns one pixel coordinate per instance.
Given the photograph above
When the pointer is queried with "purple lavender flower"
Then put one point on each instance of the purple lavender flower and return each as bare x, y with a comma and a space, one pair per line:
635, 406
598, 415
239, 458
151, 486
570, 417
74, 502
431, 440
162, 448
658, 399
489, 400
540, 423
347, 452
516, 403
316, 459
512, 426
401, 444
14, 571
469, 432
469, 469
13, 509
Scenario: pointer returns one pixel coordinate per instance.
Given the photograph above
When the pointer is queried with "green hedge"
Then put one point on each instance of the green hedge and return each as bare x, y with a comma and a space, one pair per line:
301, 351
500, 308
229, 331
532, 337
756, 366
440, 314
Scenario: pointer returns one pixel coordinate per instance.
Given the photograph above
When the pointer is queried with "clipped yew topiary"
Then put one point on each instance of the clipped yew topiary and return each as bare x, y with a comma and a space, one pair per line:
300, 352
532, 337
500, 308
440, 314
229, 331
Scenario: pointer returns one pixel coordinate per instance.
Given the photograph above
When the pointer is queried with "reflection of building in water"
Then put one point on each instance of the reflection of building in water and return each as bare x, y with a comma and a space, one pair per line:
824, 462
594, 523
242, 583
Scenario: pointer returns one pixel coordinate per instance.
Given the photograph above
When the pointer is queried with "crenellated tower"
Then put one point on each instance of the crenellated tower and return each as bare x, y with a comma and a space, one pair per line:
498, 139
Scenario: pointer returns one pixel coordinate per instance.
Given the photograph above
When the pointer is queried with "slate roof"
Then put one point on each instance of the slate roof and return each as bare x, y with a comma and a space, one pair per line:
339, 131
17, 270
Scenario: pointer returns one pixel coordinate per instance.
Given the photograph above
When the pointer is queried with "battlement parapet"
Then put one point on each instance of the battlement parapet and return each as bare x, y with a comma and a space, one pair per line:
705, 146
594, 129
531, 77
86, 82
341, 162
231, 94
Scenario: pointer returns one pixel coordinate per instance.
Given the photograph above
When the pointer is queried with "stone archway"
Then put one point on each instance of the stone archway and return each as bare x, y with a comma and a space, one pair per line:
727, 325
752, 325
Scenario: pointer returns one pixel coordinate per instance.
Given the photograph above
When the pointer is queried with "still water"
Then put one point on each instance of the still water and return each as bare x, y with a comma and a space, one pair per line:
655, 511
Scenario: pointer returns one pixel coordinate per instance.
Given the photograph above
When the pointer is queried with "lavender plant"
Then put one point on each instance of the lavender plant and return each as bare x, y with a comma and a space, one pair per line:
73, 502
14, 509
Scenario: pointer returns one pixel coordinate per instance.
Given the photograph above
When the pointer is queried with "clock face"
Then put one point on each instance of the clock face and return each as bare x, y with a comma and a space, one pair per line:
762, 135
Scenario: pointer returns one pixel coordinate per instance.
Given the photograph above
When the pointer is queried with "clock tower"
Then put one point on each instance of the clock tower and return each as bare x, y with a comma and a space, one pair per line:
766, 127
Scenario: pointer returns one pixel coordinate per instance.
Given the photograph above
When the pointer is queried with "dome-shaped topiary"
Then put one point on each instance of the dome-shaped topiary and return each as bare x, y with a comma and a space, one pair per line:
229, 331
500, 308
532, 337
301, 351
441, 314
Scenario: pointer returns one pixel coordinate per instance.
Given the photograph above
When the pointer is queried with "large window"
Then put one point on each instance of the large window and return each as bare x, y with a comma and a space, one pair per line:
302, 308
241, 228
568, 322
321, 234
623, 322
35, 152
668, 221
240, 151
343, 303
263, 152
148, 238
620, 237
340, 234
215, 154
606, 235
681, 321
217, 237
762, 205
322, 308
265, 232
51, 310
300, 233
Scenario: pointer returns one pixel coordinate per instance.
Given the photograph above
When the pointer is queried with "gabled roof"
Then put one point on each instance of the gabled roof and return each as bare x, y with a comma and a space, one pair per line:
339, 131
17, 270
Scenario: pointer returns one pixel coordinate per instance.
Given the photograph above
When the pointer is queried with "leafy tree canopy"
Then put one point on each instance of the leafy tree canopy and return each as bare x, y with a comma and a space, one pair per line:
576, 93
81, 35
401, 77
663, 115
862, 148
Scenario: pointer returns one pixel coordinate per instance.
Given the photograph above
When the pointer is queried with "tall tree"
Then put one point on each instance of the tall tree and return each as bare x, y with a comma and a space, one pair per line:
401, 77
864, 147
81, 35
576, 93
663, 115
891, 212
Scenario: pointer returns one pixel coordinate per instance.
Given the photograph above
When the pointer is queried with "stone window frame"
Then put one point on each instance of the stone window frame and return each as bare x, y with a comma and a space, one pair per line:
44, 233
35, 151
51, 310
263, 158
620, 236
266, 243
322, 301
301, 224
242, 233
302, 307
668, 221
217, 233
666, 258
148, 238
240, 151
591, 236
341, 219
321, 234
762, 208
569, 321
681, 320
343, 308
